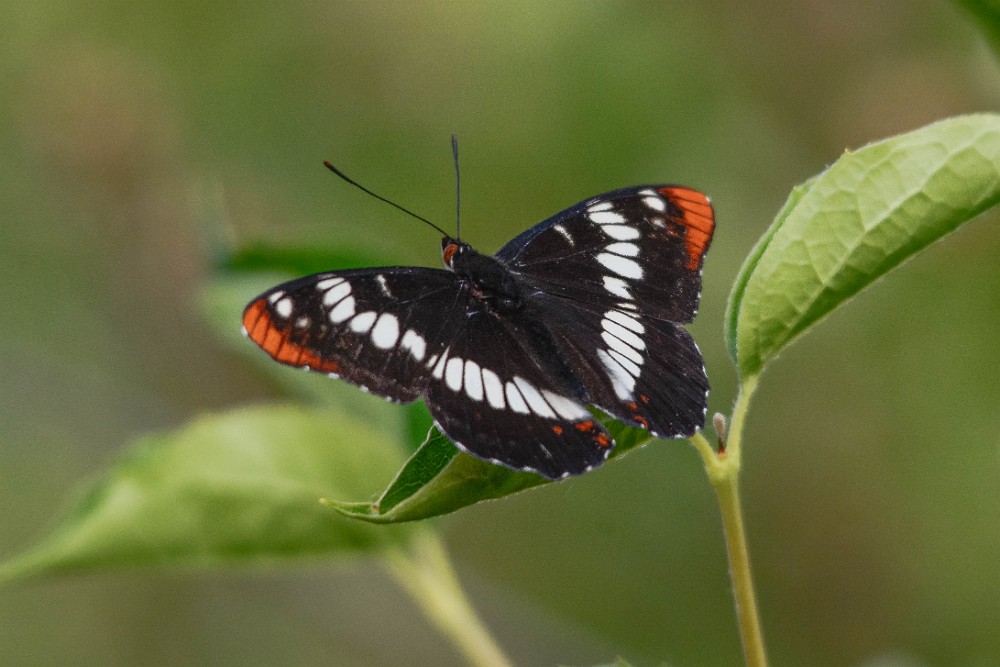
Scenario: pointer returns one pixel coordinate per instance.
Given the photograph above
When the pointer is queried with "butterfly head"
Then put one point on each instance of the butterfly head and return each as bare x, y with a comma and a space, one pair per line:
452, 251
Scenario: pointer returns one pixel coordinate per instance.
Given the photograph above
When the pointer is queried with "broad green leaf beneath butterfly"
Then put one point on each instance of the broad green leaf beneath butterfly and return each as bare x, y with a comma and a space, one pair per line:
439, 479
237, 487
843, 229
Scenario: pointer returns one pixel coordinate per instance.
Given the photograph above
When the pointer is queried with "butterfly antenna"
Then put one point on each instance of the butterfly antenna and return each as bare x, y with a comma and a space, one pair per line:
381, 198
458, 189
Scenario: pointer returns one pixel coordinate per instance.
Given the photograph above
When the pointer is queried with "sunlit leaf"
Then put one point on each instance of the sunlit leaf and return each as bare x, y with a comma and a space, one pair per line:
234, 487
870, 211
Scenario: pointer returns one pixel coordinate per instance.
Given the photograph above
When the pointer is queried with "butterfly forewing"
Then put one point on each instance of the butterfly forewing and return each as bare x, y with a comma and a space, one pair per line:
643, 245
378, 328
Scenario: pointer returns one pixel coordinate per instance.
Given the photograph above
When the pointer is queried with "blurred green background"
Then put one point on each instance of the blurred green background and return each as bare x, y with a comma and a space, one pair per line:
135, 134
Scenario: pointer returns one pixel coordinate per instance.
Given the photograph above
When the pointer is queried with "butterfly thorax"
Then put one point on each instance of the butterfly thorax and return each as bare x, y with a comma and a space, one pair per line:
489, 280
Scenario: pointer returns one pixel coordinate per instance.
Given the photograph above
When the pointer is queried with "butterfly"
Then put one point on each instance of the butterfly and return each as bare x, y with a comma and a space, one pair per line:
508, 350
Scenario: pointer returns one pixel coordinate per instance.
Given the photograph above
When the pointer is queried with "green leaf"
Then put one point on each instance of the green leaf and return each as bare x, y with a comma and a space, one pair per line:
987, 15
234, 487
439, 479
842, 230
739, 287
296, 262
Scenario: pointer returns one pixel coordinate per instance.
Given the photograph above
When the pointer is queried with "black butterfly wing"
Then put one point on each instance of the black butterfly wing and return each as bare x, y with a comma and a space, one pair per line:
377, 328
642, 370
500, 392
642, 245
490, 383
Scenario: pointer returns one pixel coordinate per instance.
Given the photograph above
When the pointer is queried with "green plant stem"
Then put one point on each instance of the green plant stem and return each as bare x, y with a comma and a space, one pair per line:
723, 469
727, 491
425, 572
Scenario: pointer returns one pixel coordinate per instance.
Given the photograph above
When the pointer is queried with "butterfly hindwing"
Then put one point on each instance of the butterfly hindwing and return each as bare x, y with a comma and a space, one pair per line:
500, 392
644, 371
375, 327
643, 245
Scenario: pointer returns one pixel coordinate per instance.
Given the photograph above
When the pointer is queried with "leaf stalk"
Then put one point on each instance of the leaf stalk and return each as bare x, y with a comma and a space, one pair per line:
723, 469
424, 571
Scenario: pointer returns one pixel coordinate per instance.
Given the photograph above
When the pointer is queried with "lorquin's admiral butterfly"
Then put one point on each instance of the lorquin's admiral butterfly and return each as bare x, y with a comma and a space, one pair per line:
507, 350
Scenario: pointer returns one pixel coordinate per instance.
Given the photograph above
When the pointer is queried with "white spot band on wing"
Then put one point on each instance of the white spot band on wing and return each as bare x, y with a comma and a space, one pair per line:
606, 217
284, 308
453, 373
617, 286
494, 389
627, 364
327, 283
336, 293
534, 399
623, 249
620, 347
566, 408
473, 380
655, 203
623, 334
621, 232
626, 320
621, 381
566, 235
438, 371
343, 311
514, 399
415, 343
386, 331
627, 268
363, 322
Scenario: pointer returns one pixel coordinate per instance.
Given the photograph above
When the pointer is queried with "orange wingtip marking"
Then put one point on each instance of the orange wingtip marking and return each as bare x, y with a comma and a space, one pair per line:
585, 426
251, 318
603, 440
698, 219
272, 339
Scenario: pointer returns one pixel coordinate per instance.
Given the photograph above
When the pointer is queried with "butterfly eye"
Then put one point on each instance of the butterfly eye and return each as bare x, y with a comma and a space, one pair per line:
448, 252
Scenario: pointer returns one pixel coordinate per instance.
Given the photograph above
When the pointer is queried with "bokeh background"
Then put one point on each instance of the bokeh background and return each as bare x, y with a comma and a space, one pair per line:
136, 137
